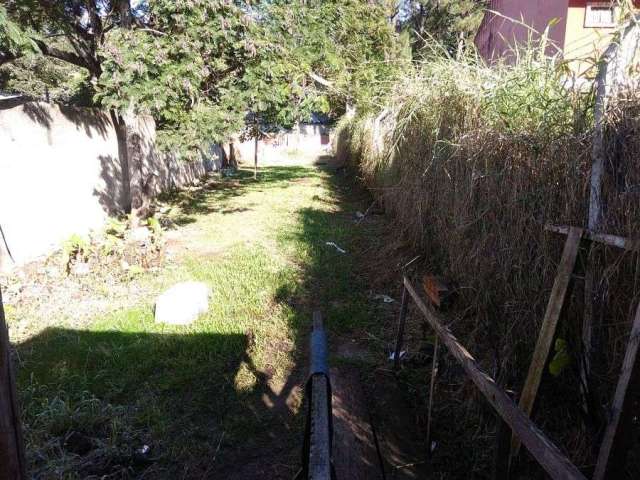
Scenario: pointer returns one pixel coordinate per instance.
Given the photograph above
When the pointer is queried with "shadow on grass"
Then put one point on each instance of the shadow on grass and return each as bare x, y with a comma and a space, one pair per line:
101, 397
94, 399
210, 197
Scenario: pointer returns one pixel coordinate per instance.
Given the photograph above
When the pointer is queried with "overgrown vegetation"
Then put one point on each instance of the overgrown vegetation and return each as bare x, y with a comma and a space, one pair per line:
472, 162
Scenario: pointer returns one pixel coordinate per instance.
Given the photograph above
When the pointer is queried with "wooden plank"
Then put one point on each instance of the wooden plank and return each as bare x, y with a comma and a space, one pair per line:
400, 334
355, 455
554, 462
548, 329
12, 464
319, 444
629, 244
613, 450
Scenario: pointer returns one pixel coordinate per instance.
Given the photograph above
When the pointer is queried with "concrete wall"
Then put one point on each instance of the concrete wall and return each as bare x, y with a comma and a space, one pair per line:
63, 170
304, 138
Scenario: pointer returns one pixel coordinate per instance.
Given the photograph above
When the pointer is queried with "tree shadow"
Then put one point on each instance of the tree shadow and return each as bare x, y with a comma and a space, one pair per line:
90, 120
113, 193
210, 196
97, 398
94, 399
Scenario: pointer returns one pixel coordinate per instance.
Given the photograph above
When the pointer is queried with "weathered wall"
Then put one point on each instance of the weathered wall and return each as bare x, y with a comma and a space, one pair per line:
63, 170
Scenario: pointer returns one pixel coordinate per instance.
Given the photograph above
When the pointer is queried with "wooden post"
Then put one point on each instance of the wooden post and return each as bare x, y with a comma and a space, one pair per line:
613, 451
12, 464
550, 458
400, 334
549, 324
613, 73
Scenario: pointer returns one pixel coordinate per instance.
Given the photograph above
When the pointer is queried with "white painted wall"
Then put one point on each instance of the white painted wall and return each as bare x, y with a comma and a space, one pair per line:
52, 166
61, 173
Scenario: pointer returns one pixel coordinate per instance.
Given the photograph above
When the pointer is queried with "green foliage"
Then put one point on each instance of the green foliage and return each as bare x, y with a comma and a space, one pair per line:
13, 39
205, 69
181, 69
116, 227
155, 227
442, 22
561, 359
74, 248
44, 77
347, 42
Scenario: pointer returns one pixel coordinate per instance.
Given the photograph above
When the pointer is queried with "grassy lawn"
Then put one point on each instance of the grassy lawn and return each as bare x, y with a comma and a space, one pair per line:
123, 397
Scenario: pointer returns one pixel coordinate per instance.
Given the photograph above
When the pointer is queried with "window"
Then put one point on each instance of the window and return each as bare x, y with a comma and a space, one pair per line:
600, 15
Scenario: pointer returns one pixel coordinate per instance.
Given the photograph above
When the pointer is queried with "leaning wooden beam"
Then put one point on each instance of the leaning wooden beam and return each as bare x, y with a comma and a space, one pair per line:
548, 329
629, 244
614, 448
12, 465
543, 450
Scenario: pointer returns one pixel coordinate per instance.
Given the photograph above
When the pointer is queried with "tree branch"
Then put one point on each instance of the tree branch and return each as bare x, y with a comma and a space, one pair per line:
65, 56
322, 81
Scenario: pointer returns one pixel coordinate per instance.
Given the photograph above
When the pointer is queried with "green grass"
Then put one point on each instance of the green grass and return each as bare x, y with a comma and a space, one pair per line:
202, 396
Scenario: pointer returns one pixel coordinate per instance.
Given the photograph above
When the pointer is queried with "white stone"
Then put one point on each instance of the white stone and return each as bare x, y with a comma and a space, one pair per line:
80, 269
183, 303
140, 235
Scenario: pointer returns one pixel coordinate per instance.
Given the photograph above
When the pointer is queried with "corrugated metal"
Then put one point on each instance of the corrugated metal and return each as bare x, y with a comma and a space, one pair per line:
500, 32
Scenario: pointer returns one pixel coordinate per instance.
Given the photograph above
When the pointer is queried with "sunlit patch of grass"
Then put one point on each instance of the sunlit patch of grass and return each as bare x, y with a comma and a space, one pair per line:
94, 397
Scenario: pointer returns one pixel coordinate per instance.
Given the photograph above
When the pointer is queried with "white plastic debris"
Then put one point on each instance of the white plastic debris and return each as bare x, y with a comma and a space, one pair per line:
359, 214
332, 244
144, 449
384, 298
392, 355
183, 303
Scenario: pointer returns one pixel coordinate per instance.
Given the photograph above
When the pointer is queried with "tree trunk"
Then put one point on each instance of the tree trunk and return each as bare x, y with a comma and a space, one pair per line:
233, 160
224, 160
125, 14
12, 463
255, 154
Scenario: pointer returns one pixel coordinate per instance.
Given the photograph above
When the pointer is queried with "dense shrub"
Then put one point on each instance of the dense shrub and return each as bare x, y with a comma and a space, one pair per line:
472, 162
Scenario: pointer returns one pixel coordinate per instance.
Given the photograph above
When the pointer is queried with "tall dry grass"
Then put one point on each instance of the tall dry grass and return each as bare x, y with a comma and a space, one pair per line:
472, 162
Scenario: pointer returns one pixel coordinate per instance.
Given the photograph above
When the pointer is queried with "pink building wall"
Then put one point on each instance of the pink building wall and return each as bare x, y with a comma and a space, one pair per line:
498, 35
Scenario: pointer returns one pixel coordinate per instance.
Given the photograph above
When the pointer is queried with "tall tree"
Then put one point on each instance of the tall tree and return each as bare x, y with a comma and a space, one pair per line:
183, 67
448, 22
203, 67
68, 31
